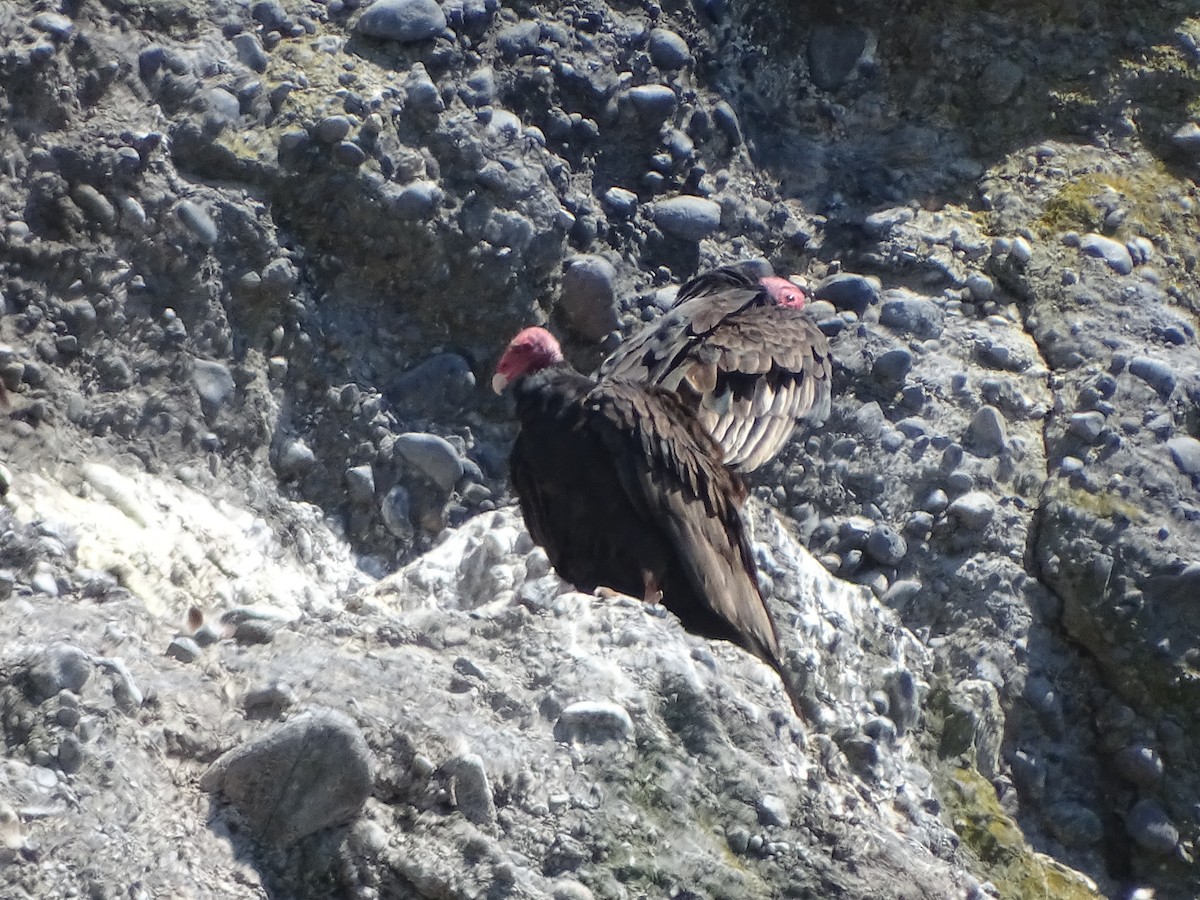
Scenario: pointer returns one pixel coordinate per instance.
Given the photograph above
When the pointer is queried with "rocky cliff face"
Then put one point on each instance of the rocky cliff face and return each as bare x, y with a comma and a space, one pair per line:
270, 624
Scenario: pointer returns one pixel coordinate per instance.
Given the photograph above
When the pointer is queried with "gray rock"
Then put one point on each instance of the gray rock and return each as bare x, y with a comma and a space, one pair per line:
198, 221
847, 291
96, 205
999, 81
406, 21
214, 383
332, 129
1140, 765
396, 512
726, 120
668, 50
296, 458
442, 382
654, 103
980, 287
987, 435
833, 53
886, 546
907, 313
254, 631
433, 456
1150, 827
518, 40
421, 93
360, 484
58, 26
894, 365
1186, 453
1155, 373
772, 811
588, 298
593, 722
183, 649
687, 218
61, 667
418, 200
1187, 139
972, 510
1075, 824
250, 51
620, 203
900, 593
312, 772
879, 224
1087, 426
1112, 252
472, 790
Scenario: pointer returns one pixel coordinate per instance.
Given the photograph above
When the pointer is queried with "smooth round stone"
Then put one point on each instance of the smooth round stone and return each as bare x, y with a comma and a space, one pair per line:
416, 201
1112, 252
848, 291
396, 512
668, 50
1185, 451
184, 649
56, 25
1021, 251
725, 118
433, 456
620, 203
918, 315
1155, 373
250, 52
886, 546
1140, 764
655, 103
981, 287
198, 221
1149, 826
987, 434
296, 458
332, 129
406, 21
593, 722
214, 382
360, 484
1187, 139
520, 39
972, 510
772, 811
894, 364
588, 296
472, 790
1087, 426
687, 218
349, 154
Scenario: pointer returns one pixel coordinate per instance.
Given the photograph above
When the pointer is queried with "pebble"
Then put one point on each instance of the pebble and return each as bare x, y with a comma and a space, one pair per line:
593, 722
880, 223
772, 811
254, 631
668, 50
58, 26
833, 54
442, 382
311, 772
1140, 765
472, 790
70, 754
434, 456
848, 291
214, 383
269, 702
1021, 252
518, 40
296, 458
901, 593
421, 93
360, 484
894, 364
1112, 252
987, 434
1075, 824
1000, 79
886, 546
725, 118
654, 103
183, 649
588, 297
418, 200
921, 316
1149, 826
332, 129
981, 287
973, 510
62, 667
406, 21
1186, 453
1155, 373
1087, 426
919, 525
250, 51
349, 154
687, 218
620, 203
96, 205
198, 221
738, 840
1187, 139
396, 512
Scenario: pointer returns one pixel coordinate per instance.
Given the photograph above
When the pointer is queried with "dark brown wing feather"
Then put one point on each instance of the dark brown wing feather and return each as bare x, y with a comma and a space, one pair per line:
616, 480
750, 369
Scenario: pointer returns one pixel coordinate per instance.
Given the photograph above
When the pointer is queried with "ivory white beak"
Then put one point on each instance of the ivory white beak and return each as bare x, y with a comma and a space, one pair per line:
499, 382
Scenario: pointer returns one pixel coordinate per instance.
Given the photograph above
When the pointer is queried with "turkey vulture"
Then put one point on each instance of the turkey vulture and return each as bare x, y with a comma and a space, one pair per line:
740, 353
624, 489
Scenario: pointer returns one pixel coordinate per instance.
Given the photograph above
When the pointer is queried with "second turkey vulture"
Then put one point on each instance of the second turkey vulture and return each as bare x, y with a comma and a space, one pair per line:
624, 489
739, 351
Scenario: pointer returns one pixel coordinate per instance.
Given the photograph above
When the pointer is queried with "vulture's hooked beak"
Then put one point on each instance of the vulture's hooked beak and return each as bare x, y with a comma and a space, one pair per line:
499, 382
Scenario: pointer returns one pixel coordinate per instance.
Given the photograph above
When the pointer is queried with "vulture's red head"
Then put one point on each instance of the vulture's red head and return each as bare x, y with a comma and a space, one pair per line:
532, 350
784, 292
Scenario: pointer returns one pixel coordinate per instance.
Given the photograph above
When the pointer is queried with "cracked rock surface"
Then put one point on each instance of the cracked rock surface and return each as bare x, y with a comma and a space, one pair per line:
257, 260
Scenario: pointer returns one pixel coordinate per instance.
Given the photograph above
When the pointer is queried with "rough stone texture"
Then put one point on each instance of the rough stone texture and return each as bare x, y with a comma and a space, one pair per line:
244, 246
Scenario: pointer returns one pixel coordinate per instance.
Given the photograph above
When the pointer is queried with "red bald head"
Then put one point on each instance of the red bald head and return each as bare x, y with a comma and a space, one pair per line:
784, 292
532, 350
